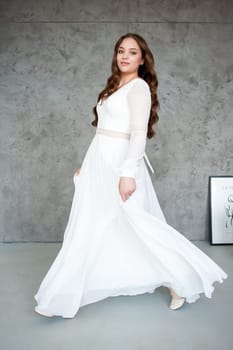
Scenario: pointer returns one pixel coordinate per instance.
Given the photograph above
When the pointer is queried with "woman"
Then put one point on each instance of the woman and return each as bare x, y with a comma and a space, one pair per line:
117, 241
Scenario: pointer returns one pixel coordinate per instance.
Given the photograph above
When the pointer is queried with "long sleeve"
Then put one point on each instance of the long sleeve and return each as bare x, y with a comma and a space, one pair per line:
139, 104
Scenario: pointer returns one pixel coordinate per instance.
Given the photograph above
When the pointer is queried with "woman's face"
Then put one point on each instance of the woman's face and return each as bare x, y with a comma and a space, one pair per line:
129, 56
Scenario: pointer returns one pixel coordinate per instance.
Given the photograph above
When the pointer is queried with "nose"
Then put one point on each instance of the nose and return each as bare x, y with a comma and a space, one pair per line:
125, 55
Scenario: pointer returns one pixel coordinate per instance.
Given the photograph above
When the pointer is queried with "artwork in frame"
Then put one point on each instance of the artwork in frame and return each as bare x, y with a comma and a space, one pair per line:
221, 209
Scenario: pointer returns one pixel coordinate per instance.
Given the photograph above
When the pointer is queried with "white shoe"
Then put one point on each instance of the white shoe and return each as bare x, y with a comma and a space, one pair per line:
40, 313
176, 303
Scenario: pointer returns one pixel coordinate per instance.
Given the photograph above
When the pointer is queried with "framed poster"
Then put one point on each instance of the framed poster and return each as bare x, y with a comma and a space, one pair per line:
221, 209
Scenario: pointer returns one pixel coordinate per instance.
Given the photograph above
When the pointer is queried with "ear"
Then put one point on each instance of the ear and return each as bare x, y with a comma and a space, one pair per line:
142, 62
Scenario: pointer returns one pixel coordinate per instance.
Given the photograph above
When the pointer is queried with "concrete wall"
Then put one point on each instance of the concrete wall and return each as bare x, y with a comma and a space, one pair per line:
54, 59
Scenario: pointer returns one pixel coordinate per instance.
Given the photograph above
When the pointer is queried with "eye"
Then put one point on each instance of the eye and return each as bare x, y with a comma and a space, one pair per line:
133, 53
120, 51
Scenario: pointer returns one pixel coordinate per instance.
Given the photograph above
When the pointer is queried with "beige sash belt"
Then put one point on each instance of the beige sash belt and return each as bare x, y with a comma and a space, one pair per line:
113, 133
122, 135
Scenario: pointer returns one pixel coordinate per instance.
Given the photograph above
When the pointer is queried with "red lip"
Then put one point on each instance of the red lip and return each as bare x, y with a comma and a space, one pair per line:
124, 62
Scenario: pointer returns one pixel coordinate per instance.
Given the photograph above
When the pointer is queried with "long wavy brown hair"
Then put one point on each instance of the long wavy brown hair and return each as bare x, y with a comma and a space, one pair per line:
145, 71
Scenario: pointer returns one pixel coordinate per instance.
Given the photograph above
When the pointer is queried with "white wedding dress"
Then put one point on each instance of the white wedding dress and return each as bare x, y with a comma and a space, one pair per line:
112, 247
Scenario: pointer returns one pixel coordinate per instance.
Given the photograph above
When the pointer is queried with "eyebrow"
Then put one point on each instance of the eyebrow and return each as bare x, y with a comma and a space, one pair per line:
131, 48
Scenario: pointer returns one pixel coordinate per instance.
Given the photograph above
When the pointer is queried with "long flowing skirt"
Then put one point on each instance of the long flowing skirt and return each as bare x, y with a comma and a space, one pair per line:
112, 248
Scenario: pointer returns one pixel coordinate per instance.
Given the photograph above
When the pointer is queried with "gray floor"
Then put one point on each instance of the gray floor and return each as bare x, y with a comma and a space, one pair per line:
126, 322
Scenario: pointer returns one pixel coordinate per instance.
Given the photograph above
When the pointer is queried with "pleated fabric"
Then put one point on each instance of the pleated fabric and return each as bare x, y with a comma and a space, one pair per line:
113, 248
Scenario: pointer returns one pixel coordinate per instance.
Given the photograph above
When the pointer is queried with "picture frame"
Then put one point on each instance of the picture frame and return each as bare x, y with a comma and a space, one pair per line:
221, 209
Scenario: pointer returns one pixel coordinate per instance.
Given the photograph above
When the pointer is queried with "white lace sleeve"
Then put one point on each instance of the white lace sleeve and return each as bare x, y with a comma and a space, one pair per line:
139, 103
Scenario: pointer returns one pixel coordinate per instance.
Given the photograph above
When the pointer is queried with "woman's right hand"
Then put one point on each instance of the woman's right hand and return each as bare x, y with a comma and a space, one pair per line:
78, 171
127, 186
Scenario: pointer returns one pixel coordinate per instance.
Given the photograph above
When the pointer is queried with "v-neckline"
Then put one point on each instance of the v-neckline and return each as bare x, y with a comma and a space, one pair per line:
127, 83
120, 88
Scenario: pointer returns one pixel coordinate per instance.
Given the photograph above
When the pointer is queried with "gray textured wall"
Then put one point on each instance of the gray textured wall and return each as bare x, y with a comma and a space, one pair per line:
54, 59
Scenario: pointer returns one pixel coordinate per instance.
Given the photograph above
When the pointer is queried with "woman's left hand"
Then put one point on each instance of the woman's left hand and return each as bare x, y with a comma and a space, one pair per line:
127, 186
